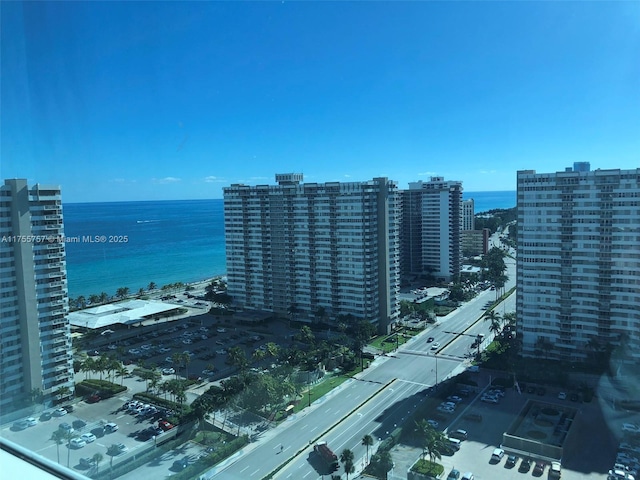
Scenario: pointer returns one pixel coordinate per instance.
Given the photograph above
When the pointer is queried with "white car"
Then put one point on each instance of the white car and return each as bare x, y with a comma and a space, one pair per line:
562, 396
31, 421
59, 412
168, 371
444, 409
77, 443
221, 330
630, 428
433, 423
88, 437
489, 399
435, 346
110, 427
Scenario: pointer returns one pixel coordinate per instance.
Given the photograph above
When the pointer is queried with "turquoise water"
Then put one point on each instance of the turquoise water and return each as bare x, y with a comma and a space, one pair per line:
167, 242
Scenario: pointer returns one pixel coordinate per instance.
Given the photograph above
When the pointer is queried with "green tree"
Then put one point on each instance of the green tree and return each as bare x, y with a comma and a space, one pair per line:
104, 298
381, 463
62, 393
306, 335
122, 292
152, 286
346, 457
122, 372
81, 302
432, 440
58, 438
97, 458
112, 451
94, 299
367, 441
237, 358
68, 436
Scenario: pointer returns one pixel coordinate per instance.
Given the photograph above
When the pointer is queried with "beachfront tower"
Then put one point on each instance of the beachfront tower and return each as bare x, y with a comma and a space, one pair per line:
431, 224
35, 342
578, 263
316, 252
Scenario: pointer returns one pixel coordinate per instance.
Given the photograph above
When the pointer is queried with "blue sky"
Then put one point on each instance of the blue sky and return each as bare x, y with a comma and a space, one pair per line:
163, 100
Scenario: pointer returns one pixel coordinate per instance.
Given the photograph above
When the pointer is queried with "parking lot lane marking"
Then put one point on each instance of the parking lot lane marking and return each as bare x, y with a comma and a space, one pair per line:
255, 472
119, 417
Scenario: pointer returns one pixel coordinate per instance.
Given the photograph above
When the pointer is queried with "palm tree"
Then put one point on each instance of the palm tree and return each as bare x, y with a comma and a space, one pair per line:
367, 441
152, 286
94, 299
112, 451
58, 437
121, 372
346, 457
237, 357
62, 392
104, 297
68, 436
140, 292
122, 292
88, 365
81, 302
97, 458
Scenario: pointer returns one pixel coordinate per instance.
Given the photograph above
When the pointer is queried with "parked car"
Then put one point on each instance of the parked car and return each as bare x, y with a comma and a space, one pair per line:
511, 461
468, 476
459, 434
497, 455
66, 427
110, 427
77, 443
59, 412
562, 396
525, 465
539, 467
453, 475
45, 416
31, 421
88, 437
86, 462
94, 398
78, 424
630, 428
181, 464
20, 425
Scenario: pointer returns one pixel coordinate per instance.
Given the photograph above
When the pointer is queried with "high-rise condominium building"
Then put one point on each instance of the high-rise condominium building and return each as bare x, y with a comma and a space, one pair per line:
35, 337
578, 263
431, 223
468, 215
314, 251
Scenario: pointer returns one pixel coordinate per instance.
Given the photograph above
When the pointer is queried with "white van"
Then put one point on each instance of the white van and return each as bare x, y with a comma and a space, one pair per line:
455, 443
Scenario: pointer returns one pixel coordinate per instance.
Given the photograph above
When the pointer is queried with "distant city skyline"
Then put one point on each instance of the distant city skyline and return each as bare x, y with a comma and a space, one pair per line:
122, 101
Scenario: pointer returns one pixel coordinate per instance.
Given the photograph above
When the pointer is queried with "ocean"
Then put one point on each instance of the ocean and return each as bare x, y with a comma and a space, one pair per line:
166, 242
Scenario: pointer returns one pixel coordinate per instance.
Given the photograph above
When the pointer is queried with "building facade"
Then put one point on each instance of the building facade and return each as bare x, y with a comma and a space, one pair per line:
35, 335
578, 263
315, 252
468, 215
431, 225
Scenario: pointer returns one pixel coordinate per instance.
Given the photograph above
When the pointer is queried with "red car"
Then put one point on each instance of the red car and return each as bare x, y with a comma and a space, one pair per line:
94, 399
164, 425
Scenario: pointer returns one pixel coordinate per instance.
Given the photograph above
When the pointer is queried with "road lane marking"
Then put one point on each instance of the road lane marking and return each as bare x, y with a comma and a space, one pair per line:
255, 472
244, 469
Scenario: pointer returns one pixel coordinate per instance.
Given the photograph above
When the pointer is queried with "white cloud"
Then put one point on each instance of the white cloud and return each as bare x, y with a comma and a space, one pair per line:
165, 180
347, 175
213, 179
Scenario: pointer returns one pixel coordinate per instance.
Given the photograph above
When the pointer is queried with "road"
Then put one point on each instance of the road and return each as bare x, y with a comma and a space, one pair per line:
394, 386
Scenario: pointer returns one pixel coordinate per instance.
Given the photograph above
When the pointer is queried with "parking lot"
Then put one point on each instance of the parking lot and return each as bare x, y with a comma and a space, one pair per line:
589, 452
87, 418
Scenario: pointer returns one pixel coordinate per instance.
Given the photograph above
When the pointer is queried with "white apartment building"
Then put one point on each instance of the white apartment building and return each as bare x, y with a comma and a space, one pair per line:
578, 263
314, 251
431, 223
35, 339
468, 215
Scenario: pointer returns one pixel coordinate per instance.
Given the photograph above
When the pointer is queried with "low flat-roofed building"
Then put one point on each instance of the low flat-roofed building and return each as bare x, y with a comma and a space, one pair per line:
123, 313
